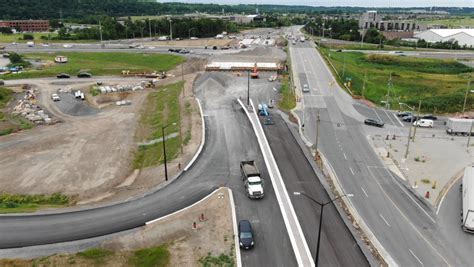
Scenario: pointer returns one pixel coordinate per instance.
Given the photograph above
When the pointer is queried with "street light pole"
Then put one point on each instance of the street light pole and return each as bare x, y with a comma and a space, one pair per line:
409, 131
316, 259
318, 121
465, 96
164, 148
418, 115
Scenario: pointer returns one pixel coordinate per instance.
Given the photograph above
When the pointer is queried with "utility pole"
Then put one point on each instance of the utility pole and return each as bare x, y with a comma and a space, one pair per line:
389, 85
318, 121
171, 31
182, 76
418, 115
149, 28
363, 85
469, 136
408, 139
100, 32
465, 96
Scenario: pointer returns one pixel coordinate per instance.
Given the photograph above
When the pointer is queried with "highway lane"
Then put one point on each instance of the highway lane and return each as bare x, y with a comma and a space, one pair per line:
338, 246
218, 165
402, 224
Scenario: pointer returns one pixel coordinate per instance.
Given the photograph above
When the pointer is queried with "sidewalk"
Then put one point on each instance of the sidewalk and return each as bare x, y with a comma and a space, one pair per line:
433, 162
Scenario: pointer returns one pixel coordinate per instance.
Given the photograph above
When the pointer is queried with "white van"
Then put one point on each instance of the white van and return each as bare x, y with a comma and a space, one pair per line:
423, 123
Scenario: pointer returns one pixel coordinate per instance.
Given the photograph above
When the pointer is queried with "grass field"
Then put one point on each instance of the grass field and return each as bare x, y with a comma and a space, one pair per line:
30, 203
287, 101
99, 64
439, 84
161, 108
453, 22
17, 37
158, 256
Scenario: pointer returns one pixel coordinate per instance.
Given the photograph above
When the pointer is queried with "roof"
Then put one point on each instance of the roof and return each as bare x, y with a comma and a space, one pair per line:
449, 32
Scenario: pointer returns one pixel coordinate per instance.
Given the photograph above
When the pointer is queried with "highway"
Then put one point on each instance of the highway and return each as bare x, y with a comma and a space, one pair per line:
406, 228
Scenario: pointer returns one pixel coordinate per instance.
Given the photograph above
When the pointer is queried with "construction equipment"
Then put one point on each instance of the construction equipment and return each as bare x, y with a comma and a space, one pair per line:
263, 111
254, 73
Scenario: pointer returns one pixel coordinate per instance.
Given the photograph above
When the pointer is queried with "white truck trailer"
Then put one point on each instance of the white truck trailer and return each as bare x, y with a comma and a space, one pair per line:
467, 191
252, 180
455, 126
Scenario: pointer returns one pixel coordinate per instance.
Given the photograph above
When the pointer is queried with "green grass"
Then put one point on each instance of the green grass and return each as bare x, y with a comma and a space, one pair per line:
98, 255
288, 100
439, 84
222, 260
17, 37
160, 109
5, 96
27, 203
151, 257
453, 22
99, 64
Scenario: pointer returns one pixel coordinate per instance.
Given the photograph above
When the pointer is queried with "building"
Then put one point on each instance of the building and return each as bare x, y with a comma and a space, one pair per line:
246, 19
463, 36
371, 19
26, 25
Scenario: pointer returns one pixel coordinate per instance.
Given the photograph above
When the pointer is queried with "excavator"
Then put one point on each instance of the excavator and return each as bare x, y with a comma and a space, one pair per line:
254, 73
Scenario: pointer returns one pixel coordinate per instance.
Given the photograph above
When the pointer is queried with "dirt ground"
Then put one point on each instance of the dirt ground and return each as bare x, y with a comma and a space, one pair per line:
89, 157
186, 245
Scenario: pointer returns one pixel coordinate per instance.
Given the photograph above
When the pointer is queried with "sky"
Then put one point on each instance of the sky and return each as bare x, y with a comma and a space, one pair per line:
359, 3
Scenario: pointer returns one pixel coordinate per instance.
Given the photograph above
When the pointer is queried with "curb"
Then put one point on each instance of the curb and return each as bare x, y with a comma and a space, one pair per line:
236, 232
203, 138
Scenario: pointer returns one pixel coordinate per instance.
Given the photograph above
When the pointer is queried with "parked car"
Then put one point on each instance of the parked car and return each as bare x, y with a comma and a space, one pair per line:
404, 113
305, 88
84, 75
55, 97
184, 51
245, 235
63, 76
194, 38
423, 123
374, 122
429, 117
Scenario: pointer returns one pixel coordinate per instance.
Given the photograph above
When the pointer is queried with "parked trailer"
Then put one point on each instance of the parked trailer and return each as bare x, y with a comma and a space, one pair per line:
467, 190
455, 126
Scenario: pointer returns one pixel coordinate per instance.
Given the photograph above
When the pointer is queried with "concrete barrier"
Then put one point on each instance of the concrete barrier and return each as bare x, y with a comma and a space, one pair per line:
203, 138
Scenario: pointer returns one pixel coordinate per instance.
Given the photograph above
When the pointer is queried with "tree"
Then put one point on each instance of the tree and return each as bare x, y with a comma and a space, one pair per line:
28, 36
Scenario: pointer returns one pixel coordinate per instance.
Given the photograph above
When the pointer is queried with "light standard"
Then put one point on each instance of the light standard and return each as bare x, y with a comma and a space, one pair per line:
171, 30
465, 96
411, 124
164, 148
189, 32
320, 217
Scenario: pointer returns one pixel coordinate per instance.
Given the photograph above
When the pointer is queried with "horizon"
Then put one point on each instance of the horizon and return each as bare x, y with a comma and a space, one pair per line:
341, 3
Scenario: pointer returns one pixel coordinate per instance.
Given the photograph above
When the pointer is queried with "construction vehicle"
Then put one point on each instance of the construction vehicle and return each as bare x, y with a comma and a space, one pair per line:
254, 73
263, 111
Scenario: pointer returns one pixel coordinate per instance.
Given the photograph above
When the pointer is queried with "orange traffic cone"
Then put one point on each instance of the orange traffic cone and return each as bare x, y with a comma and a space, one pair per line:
194, 225
427, 195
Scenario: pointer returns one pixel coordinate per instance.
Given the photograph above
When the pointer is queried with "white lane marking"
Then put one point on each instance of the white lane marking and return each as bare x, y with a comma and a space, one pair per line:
375, 111
447, 191
344, 155
399, 121
416, 257
406, 218
381, 216
408, 194
365, 193
351, 171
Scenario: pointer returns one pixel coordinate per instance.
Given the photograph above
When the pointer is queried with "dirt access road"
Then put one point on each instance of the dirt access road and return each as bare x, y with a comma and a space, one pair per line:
88, 157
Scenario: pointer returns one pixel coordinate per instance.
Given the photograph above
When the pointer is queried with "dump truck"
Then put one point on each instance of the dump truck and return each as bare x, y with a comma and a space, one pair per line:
252, 181
457, 126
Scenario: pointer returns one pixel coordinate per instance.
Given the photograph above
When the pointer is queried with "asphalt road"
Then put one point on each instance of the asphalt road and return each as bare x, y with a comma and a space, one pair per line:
338, 246
406, 228
230, 139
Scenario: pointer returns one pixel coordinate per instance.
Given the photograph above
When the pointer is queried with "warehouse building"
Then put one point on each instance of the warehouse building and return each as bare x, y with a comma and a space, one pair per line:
26, 25
462, 36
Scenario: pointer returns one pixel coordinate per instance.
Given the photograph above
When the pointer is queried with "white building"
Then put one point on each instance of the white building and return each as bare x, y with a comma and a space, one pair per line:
463, 36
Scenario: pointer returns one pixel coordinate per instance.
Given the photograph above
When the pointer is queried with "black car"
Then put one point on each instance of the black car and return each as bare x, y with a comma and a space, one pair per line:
429, 117
63, 76
374, 122
84, 75
245, 235
410, 118
404, 113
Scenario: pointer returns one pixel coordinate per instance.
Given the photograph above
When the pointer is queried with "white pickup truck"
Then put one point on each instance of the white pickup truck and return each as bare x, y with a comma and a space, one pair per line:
252, 181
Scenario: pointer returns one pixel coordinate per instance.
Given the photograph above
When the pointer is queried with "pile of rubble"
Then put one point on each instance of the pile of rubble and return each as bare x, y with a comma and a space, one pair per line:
127, 87
28, 109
